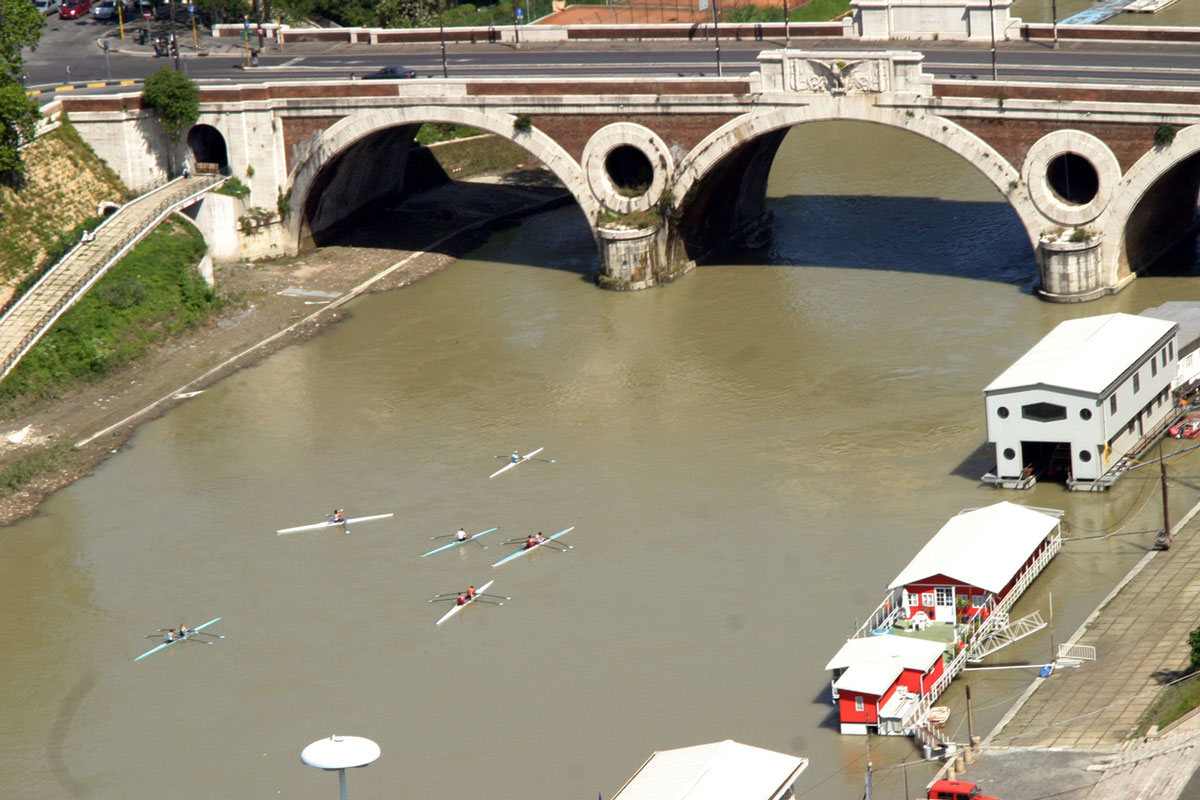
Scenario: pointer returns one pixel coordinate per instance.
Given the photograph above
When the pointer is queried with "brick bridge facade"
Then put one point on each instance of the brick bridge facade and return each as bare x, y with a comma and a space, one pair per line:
1103, 179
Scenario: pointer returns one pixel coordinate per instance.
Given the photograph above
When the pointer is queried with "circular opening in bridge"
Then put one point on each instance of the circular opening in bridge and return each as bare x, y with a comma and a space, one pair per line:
630, 170
1073, 178
208, 149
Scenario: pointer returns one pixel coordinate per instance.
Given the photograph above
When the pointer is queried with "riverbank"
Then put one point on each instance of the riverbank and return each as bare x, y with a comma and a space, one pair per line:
271, 305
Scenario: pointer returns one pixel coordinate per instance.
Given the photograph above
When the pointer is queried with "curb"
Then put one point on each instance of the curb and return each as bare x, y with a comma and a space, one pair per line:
90, 85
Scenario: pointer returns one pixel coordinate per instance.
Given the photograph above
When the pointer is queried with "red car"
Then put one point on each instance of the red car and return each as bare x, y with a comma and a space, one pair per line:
1188, 429
74, 9
955, 790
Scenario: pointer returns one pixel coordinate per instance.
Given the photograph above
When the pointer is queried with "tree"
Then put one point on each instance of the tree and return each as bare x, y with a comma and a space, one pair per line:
20, 27
176, 99
1193, 642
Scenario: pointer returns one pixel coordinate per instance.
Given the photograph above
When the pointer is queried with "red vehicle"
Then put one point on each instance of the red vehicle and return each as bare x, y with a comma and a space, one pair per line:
955, 790
74, 9
1188, 429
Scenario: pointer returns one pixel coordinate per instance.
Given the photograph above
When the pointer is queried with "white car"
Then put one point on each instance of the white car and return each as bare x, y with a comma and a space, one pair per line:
47, 7
105, 9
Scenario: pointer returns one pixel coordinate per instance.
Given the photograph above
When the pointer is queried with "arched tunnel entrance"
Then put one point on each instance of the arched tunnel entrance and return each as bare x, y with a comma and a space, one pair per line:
856, 195
209, 153
1161, 236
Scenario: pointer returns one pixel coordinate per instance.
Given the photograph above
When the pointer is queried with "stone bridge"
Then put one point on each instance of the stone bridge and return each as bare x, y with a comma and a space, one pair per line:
1104, 179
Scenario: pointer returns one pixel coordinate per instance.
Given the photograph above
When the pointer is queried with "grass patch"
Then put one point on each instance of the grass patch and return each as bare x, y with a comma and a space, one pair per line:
35, 464
432, 132
152, 293
815, 11
461, 159
1175, 700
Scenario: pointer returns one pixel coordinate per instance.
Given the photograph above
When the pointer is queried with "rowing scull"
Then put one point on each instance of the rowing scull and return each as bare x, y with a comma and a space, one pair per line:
457, 608
525, 550
456, 544
191, 633
333, 523
512, 464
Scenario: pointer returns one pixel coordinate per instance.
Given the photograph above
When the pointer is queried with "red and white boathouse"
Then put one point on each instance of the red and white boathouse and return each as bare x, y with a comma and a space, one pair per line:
954, 596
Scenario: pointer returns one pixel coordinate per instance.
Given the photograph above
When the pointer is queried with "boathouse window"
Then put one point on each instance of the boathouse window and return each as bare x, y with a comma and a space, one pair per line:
1154, 368
1044, 412
1002, 412
858, 703
1137, 382
927, 599
912, 599
1170, 349
1112, 404
1085, 414
945, 596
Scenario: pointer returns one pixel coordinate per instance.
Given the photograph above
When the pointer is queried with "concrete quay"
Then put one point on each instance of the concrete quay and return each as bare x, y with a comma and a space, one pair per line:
1067, 737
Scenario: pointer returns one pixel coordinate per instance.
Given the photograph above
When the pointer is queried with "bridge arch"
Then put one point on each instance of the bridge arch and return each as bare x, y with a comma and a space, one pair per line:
706, 159
341, 137
1161, 188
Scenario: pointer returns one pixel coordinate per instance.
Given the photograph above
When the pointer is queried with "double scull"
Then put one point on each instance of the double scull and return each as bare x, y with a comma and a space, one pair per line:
525, 550
187, 635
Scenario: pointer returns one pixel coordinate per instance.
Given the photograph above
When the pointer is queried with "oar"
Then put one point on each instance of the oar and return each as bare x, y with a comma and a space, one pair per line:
502, 597
206, 633
442, 599
547, 460
153, 636
189, 638
489, 602
443, 536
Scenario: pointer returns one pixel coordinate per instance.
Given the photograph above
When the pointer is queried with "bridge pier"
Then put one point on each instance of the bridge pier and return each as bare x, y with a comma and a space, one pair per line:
637, 258
1069, 267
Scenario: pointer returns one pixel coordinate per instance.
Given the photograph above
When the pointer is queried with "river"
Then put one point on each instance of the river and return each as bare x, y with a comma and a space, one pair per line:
748, 457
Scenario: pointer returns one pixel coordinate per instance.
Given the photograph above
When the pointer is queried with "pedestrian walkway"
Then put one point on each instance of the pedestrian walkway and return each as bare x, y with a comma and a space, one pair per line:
37, 310
1090, 712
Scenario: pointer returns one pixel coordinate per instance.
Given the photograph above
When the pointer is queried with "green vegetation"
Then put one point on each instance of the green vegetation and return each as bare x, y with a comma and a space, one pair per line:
34, 464
1175, 700
152, 293
635, 219
433, 132
486, 154
176, 99
523, 124
234, 188
20, 28
1164, 134
815, 11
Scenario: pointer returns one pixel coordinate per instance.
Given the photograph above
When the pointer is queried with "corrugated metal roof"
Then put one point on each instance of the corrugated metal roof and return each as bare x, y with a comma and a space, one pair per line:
725, 770
985, 547
1085, 355
905, 651
868, 677
1186, 315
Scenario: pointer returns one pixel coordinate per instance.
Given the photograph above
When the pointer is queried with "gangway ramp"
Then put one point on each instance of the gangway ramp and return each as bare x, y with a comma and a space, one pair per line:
1005, 635
38, 309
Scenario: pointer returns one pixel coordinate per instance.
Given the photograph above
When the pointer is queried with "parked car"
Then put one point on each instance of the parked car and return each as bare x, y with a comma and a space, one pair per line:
47, 7
955, 790
105, 9
390, 73
74, 9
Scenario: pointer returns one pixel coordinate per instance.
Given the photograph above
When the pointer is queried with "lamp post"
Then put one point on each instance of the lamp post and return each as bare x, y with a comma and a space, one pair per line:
1054, 21
992, 18
340, 753
787, 30
442, 33
716, 37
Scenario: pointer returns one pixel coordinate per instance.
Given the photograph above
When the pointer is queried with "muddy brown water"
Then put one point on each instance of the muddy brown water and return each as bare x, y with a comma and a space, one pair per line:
749, 456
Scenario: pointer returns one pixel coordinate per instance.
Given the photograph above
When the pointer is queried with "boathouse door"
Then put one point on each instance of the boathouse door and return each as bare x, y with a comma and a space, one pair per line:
943, 609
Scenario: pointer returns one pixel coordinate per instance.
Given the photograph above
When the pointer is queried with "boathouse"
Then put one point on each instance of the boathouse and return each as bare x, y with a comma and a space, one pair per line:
1187, 316
725, 770
1091, 391
877, 679
973, 562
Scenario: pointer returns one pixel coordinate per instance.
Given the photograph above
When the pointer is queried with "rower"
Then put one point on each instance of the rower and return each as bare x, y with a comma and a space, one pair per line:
531, 542
339, 515
184, 630
516, 457
462, 535
462, 600
170, 637
541, 539
470, 592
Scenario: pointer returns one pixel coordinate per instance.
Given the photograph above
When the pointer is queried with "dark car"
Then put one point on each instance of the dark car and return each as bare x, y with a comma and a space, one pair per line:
390, 73
73, 9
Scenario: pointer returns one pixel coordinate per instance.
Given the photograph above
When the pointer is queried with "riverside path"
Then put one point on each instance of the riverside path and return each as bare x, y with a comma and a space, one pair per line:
34, 312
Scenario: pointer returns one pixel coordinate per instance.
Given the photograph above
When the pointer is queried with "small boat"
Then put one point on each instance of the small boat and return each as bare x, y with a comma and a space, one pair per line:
457, 608
512, 464
188, 635
938, 715
332, 523
527, 550
456, 544
1187, 429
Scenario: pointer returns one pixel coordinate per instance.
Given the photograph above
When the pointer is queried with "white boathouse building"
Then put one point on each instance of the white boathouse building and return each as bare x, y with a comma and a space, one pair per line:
1091, 391
725, 770
1187, 315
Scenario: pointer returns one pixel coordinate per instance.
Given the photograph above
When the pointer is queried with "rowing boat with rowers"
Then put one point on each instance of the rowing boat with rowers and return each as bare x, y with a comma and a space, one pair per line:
515, 461
457, 608
526, 550
456, 543
187, 635
333, 523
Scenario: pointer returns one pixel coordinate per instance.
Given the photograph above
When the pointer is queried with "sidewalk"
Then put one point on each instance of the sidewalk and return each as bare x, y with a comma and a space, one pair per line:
1067, 737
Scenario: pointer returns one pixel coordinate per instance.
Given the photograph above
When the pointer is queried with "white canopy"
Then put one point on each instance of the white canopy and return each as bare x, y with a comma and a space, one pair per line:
902, 651
1085, 355
984, 548
868, 677
724, 770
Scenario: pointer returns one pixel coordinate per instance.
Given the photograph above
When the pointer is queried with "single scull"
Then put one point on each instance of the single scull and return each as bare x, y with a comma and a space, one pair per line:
333, 524
512, 464
525, 550
456, 544
165, 645
457, 608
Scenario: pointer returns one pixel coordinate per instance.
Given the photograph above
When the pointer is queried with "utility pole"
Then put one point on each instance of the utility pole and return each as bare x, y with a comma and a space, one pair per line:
867, 795
992, 19
970, 722
717, 37
1163, 542
442, 32
1054, 23
787, 32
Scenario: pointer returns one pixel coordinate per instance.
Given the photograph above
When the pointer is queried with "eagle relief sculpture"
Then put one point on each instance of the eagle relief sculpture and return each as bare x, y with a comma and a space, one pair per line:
837, 78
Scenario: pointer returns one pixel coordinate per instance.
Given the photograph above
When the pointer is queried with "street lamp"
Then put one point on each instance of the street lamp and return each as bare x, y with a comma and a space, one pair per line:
442, 33
992, 18
340, 753
716, 37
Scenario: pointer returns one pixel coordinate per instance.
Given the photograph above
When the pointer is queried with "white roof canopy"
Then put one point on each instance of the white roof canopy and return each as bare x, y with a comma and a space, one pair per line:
904, 652
868, 677
719, 771
985, 547
1085, 355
